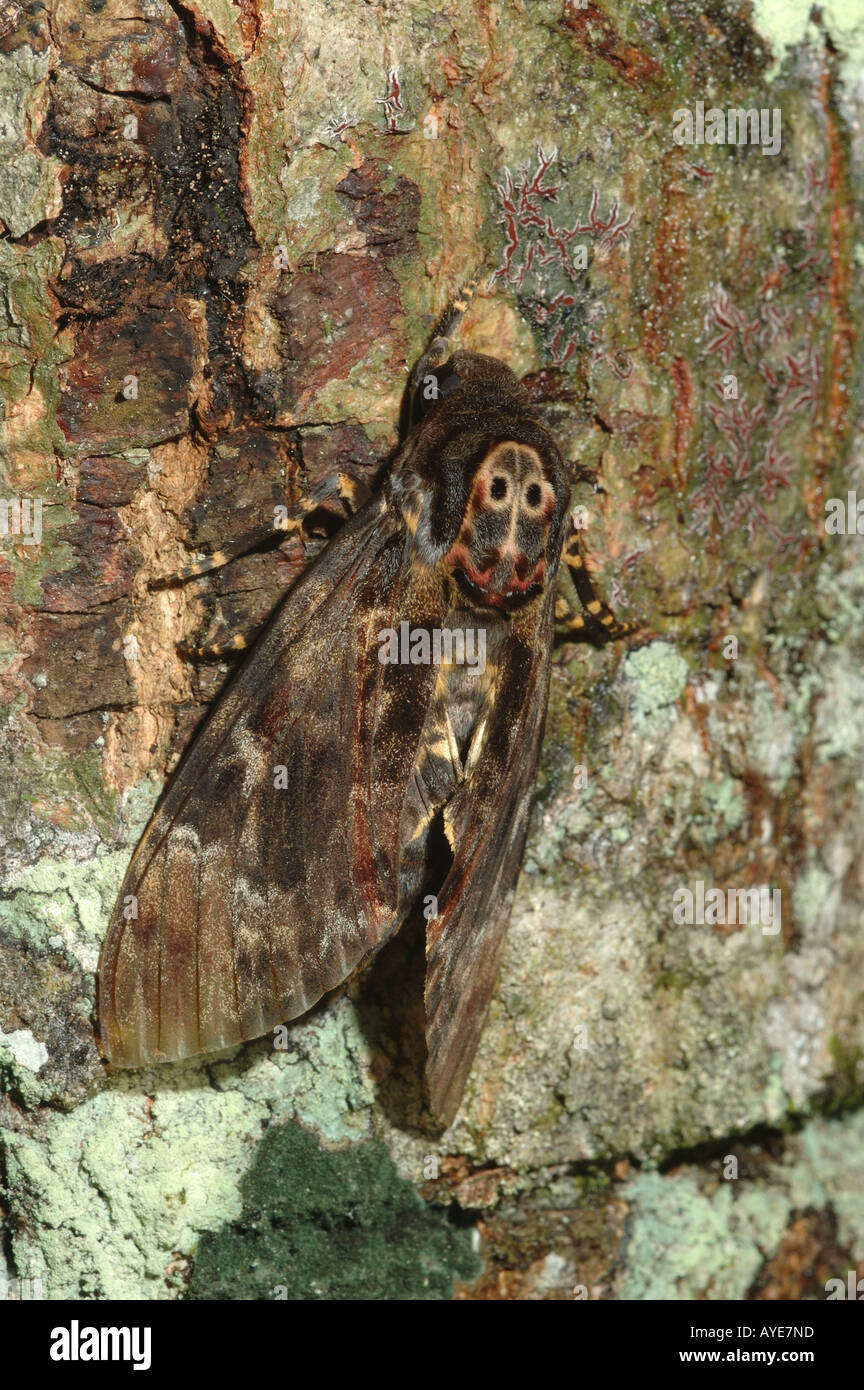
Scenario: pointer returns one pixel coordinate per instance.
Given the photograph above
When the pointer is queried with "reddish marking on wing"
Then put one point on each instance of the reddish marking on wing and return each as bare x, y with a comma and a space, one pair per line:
537, 576
364, 870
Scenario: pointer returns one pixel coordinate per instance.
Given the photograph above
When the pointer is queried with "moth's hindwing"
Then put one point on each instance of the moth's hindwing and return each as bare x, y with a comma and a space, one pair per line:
488, 821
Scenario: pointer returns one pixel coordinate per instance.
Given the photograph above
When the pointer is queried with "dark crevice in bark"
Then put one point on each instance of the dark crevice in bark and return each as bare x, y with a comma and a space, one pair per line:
183, 173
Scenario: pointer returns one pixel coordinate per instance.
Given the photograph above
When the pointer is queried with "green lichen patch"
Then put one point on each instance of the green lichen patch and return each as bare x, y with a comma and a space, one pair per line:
722, 811
61, 905
686, 1241
321, 1078
22, 1056
29, 182
103, 1202
790, 22
659, 675
62, 901
707, 1232
330, 1225
110, 1199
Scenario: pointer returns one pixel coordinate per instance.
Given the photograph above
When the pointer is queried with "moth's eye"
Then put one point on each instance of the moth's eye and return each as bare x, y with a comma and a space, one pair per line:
498, 490
533, 493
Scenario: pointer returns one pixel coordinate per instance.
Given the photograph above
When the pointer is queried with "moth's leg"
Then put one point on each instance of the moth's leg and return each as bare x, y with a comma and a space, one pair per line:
439, 349
599, 618
351, 493
218, 649
570, 621
566, 617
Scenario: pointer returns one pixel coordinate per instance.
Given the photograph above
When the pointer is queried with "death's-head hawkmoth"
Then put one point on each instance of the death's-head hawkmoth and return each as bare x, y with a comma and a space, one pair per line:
401, 685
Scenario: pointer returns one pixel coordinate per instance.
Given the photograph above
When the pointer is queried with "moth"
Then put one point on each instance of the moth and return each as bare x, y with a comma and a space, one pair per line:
298, 831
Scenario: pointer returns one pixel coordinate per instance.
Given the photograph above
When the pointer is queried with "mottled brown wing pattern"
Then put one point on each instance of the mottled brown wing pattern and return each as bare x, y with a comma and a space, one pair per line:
254, 899
487, 821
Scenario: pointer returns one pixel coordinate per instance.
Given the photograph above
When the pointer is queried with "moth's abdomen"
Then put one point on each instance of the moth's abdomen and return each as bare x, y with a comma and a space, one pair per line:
451, 740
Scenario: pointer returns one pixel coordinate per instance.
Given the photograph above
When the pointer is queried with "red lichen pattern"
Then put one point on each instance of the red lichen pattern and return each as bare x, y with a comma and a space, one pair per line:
746, 468
535, 243
392, 102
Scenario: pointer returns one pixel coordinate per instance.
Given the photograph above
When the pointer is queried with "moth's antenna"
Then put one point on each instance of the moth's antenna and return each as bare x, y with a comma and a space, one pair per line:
458, 306
422, 386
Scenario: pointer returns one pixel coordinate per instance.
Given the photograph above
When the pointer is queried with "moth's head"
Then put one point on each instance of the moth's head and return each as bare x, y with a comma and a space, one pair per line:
482, 486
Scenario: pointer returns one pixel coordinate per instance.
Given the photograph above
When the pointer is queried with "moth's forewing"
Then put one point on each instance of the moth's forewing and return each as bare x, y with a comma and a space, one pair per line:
271, 867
